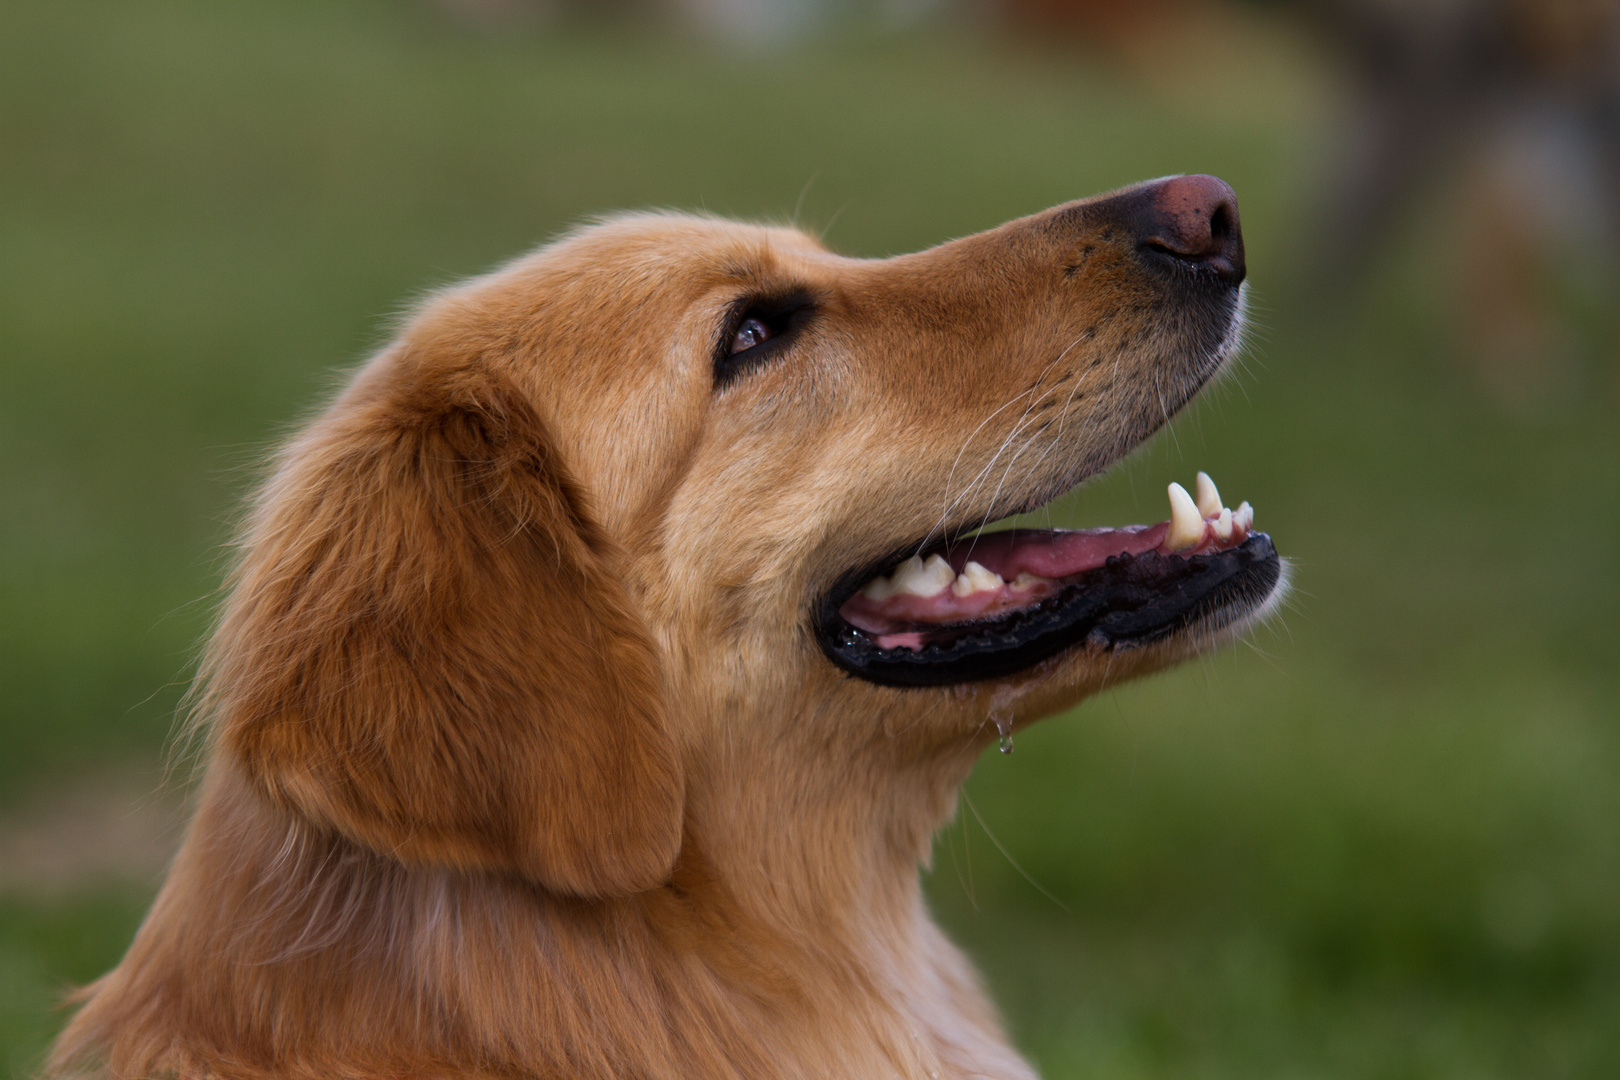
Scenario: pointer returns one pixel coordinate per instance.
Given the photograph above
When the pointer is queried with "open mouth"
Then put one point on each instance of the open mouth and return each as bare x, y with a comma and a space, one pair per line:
995, 604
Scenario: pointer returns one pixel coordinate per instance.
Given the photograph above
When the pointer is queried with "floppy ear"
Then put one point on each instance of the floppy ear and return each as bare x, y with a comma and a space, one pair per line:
427, 647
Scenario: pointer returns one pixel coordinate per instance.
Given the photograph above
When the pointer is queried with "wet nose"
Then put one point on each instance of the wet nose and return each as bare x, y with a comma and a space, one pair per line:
1193, 219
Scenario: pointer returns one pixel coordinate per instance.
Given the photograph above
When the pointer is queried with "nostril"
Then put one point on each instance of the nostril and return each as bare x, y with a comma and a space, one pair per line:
1220, 225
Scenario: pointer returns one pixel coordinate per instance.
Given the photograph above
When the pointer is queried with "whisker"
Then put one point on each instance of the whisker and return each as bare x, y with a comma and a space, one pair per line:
974, 484
1010, 860
950, 504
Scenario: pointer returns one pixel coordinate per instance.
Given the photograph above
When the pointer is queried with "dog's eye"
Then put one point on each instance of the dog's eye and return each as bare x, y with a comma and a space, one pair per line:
757, 329
752, 332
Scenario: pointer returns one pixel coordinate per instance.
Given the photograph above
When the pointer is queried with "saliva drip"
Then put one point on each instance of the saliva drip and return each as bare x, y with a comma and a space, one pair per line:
1003, 724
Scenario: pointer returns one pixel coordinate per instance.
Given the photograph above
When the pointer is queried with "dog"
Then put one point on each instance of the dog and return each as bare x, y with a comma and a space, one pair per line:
595, 671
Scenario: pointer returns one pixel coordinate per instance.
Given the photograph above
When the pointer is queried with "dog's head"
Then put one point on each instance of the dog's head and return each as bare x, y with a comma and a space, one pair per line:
673, 486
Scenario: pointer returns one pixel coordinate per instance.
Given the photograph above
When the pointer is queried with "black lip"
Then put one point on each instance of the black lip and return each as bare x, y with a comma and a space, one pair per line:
1130, 601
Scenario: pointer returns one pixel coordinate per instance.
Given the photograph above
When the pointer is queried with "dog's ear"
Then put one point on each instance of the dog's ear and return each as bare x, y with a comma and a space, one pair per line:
428, 647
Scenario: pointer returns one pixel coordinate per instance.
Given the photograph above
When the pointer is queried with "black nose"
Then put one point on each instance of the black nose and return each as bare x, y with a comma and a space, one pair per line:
1193, 219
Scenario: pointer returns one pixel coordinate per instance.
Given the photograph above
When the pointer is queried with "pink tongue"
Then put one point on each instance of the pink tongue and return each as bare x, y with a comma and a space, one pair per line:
1049, 555
1052, 554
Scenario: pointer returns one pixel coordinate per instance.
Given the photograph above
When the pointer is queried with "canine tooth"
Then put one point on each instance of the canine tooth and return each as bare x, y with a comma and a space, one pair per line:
1223, 525
975, 578
1209, 499
1243, 518
1186, 523
923, 578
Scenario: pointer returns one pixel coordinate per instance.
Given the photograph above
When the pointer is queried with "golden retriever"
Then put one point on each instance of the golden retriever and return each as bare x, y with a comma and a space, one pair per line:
597, 669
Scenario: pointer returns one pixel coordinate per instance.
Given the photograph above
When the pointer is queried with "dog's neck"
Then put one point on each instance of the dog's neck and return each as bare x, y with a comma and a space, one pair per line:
797, 844
806, 859
779, 959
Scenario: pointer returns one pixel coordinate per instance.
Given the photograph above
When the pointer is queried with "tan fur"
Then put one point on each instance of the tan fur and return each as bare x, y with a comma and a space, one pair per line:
523, 760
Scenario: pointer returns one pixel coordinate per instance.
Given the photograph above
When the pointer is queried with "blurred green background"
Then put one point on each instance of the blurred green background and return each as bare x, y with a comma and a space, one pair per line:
1382, 840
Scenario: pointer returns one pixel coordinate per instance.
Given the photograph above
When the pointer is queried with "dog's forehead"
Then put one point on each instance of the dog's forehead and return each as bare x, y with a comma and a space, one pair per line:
705, 251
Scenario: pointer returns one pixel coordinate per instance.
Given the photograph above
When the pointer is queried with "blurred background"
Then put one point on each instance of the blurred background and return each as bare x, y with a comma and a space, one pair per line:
1382, 840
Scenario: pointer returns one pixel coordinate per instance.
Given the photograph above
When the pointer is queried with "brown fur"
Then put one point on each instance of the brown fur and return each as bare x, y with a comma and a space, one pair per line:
523, 761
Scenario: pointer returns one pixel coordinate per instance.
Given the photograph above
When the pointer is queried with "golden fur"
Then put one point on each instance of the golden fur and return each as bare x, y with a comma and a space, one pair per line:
523, 760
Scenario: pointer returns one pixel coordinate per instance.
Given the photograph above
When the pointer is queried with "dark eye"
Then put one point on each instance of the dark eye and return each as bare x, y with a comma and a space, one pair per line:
752, 332
758, 328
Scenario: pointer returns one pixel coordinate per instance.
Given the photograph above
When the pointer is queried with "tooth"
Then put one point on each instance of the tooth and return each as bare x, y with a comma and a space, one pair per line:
975, 578
1243, 519
879, 588
940, 574
1186, 523
903, 574
1026, 580
1209, 500
923, 578
1223, 524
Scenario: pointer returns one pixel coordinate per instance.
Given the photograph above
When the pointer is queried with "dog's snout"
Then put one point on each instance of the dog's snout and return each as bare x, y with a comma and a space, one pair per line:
1193, 218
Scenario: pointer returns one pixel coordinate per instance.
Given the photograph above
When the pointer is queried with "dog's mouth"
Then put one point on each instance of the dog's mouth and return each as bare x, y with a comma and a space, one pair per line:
991, 605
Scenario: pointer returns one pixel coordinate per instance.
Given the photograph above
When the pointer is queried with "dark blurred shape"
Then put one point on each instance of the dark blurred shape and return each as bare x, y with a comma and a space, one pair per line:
1504, 117
1443, 84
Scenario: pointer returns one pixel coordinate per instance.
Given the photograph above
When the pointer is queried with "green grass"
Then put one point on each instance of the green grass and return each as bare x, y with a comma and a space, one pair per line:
46, 949
1384, 842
